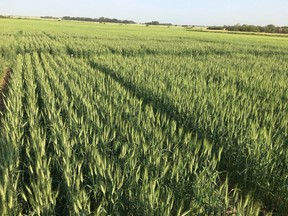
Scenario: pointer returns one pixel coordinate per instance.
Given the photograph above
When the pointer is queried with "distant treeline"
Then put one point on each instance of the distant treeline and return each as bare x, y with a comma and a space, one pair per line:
2, 16
158, 23
101, 19
252, 28
48, 17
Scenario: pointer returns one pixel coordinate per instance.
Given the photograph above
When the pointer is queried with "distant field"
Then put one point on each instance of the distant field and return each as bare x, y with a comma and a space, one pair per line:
245, 33
110, 119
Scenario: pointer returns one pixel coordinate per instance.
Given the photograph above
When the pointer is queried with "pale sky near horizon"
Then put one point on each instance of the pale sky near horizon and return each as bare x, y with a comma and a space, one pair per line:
200, 12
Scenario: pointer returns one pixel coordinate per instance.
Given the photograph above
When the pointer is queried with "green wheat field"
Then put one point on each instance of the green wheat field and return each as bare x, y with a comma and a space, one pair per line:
109, 119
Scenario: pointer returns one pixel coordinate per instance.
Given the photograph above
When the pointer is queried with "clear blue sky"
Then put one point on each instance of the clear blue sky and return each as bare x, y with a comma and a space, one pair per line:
195, 12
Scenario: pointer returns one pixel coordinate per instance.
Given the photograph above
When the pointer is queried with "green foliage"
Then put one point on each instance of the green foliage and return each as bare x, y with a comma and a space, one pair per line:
253, 28
101, 20
216, 28
154, 122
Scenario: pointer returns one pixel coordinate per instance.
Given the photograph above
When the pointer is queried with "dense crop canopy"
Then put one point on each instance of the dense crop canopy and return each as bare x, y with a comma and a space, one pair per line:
121, 120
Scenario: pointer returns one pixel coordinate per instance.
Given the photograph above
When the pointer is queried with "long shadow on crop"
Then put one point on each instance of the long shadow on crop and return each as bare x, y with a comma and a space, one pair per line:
232, 158
163, 105
159, 104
